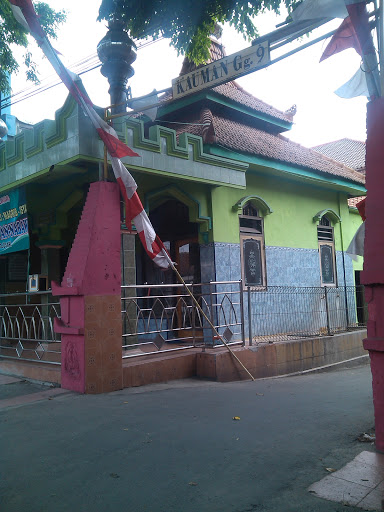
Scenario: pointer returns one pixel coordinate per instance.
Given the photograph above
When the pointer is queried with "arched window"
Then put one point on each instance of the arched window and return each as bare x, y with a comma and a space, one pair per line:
252, 247
326, 241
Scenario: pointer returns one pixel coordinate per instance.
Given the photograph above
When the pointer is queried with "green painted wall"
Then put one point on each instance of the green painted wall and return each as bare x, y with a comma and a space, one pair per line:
294, 205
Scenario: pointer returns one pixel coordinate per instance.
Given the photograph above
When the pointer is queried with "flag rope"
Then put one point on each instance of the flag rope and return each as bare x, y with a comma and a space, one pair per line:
172, 265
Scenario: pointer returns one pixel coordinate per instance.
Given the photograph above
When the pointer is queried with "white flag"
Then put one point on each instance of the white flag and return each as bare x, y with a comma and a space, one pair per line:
314, 9
145, 104
356, 247
356, 86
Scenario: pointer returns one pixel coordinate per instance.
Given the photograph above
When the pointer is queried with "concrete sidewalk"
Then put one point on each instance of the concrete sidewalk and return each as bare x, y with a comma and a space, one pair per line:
177, 448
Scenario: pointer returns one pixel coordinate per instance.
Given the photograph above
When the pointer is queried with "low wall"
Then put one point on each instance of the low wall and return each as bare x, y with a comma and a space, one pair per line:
269, 360
33, 370
263, 360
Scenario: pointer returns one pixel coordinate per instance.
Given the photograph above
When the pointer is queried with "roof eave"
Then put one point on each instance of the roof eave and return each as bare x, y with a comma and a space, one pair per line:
275, 124
291, 171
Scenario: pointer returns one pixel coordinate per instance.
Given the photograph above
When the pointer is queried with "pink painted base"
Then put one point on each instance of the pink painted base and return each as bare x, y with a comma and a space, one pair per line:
73, 363
90, 292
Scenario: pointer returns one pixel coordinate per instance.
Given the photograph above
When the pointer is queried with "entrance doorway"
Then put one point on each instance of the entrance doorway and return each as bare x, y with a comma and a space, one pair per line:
171, 222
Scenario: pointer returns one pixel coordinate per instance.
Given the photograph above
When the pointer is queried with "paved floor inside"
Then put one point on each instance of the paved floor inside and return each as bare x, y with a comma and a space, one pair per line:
359, 483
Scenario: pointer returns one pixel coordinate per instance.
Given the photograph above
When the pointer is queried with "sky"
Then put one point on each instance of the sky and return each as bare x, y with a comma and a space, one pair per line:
300, 79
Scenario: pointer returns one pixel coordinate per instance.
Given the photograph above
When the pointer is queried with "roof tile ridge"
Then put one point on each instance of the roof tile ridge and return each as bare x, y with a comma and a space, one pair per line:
328, 143
338, 140
258, 99
327, 158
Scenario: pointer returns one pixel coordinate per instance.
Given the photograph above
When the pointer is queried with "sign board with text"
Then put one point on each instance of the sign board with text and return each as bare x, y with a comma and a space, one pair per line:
221, 71
14, 235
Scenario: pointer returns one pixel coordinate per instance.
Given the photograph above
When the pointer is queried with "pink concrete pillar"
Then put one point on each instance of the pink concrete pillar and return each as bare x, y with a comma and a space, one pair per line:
90, 325
373, 273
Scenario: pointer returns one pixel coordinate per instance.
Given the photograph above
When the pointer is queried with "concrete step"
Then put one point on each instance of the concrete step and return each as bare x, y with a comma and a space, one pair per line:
42, 372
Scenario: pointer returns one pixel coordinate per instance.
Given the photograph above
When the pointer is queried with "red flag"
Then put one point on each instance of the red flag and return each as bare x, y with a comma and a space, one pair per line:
360, 20
361, 207
344, 37
25, 14
354, 32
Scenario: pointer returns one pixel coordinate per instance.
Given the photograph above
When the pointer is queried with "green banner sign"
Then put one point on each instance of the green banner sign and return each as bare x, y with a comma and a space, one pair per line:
14, 234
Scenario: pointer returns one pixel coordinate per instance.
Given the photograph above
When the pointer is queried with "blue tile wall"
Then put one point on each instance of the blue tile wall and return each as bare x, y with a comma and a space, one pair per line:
292, 267
349, 272
207, 263
285, 266
287, 309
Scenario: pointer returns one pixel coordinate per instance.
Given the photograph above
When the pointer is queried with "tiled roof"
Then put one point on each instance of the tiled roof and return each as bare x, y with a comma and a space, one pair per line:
352, 201
350, 152
250, 140
232, 90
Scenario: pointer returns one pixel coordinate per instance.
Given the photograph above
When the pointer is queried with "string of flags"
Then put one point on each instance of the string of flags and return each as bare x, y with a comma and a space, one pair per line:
25, 14
354, 32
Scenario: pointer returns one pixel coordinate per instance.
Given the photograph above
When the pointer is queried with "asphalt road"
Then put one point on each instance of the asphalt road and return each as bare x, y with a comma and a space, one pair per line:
177, 448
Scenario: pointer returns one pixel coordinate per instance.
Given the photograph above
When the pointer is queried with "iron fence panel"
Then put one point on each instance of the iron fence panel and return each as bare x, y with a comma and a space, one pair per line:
26, 327
283, 313
165, 317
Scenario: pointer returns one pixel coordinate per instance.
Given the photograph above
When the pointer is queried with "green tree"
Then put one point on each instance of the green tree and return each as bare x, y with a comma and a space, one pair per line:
188, 23
12, 33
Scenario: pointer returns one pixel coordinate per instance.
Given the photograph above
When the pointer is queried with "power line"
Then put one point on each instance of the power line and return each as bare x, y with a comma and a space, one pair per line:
80, 67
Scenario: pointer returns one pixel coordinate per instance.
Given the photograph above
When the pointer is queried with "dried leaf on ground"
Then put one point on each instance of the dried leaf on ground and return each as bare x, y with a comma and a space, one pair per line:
366, 437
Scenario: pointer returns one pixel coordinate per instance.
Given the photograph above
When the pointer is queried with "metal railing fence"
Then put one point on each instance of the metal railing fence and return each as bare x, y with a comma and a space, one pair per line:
163, 318
284, 313
26, 327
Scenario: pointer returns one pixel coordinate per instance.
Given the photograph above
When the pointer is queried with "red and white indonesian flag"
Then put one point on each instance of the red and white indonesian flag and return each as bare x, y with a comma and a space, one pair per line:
25, 14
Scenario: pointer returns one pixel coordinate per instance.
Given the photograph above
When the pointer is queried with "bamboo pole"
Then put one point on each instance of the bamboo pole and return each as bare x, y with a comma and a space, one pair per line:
206, 317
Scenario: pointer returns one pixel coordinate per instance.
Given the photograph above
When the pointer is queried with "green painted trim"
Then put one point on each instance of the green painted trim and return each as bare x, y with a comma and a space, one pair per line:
74, 197
221, 100
284, 168
258, 201
23, 181
214, 96
183, 177
157, 132
60, 129
172, 148
139, 139
329, 213
194, 207
34, 140
15, 150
